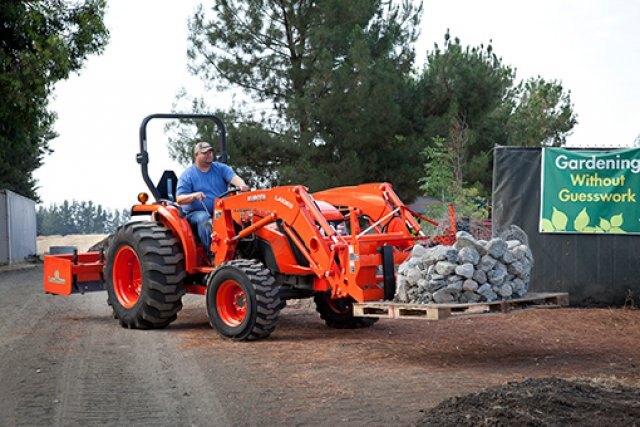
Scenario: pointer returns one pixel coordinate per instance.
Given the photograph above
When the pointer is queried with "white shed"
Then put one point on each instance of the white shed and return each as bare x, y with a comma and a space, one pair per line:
18, 230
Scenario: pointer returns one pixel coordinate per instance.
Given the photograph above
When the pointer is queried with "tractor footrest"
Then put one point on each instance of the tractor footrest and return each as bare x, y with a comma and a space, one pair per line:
394, 310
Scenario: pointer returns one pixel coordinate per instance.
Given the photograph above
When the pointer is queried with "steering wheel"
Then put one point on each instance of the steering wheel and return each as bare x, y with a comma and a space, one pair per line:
229, 191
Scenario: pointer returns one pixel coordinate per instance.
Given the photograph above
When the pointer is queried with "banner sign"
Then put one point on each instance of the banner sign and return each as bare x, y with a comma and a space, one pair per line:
590, 191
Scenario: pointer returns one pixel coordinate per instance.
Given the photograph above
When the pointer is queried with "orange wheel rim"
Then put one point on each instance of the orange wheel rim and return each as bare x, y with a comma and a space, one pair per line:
127, 278
231, 303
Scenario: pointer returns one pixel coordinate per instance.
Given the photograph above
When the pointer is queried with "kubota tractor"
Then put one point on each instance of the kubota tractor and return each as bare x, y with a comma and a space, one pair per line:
338, 246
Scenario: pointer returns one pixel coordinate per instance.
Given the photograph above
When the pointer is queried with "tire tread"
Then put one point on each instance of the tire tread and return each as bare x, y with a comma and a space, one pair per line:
268, 303
162, 288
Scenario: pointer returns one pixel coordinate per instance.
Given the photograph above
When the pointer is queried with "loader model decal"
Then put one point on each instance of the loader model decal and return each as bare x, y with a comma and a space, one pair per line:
284, 202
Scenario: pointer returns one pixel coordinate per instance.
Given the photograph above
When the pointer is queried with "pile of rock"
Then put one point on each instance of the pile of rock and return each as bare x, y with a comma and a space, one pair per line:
469, 271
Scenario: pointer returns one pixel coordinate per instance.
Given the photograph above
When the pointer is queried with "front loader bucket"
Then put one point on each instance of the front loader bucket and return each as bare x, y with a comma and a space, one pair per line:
73, 273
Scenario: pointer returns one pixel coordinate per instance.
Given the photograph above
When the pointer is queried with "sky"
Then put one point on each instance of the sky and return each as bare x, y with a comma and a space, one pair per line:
591, 46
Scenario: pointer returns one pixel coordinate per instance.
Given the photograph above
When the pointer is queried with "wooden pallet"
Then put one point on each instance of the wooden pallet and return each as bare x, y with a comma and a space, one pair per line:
393, 310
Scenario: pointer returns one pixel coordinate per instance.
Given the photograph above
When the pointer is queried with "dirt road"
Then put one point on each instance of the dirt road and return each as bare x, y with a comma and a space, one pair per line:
65, 361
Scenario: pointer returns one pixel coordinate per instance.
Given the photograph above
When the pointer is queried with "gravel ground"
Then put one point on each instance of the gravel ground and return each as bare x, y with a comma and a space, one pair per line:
67, 362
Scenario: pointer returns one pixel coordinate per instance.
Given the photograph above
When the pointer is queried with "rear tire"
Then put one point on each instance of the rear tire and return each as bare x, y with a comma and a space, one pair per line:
144, 276
242, 300
338, 313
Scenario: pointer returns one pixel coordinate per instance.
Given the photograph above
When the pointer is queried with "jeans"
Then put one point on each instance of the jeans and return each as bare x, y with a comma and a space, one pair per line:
200, 223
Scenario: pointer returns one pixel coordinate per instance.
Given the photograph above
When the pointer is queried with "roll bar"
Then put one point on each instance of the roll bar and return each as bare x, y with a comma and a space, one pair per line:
143, 156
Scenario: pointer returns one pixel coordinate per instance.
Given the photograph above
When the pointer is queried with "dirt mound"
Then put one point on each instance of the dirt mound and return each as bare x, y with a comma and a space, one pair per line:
82, 241
104, 244
541, 402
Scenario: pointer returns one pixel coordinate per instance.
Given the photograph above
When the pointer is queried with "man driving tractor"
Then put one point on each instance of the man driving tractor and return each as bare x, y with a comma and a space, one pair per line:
200, 184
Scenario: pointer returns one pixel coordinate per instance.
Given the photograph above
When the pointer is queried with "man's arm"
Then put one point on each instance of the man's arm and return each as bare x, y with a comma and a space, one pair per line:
184, 192
236, 181
185, 199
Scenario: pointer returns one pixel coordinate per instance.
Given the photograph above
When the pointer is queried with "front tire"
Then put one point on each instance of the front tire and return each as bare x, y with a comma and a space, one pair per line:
338, 312
242, 300
144, 276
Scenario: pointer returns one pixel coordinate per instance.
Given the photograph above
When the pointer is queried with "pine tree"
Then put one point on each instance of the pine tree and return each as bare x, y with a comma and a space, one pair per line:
331, 71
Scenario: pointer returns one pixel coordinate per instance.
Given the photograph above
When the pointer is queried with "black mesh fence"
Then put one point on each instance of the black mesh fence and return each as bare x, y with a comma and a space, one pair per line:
596, 269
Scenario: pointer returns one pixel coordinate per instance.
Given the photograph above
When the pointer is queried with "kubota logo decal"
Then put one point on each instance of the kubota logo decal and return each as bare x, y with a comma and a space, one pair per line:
257, 198
56, 278
284, 202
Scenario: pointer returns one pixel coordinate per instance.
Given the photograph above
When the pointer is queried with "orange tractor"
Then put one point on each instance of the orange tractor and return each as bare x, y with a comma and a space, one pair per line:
338, 246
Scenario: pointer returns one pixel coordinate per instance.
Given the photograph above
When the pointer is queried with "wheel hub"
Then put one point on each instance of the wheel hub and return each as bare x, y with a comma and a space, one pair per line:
231, 303
339, 306
127, 277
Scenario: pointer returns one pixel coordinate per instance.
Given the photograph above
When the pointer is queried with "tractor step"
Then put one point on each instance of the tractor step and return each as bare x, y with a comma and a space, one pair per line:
393, 310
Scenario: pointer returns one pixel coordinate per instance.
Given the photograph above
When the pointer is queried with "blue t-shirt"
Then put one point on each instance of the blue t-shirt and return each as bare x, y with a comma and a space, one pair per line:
212, 183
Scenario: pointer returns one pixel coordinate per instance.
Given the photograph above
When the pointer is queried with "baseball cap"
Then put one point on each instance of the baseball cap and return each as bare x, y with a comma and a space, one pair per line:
202, 147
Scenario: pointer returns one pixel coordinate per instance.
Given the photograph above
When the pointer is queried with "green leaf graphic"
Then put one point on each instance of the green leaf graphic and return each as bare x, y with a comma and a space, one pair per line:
581, 221
589, 230
598, 229
604, 224
616, 230
559, 220
546, 226
616, 220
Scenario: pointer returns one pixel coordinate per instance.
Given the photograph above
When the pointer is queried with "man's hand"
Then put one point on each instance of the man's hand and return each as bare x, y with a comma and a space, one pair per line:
244, 188
185, 199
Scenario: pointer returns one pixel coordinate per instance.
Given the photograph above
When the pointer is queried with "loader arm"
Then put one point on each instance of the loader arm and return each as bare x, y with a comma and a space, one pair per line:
347, 263
377, 201
299, 217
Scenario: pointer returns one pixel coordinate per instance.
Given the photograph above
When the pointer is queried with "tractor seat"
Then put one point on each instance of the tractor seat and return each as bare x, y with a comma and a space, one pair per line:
167, 186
